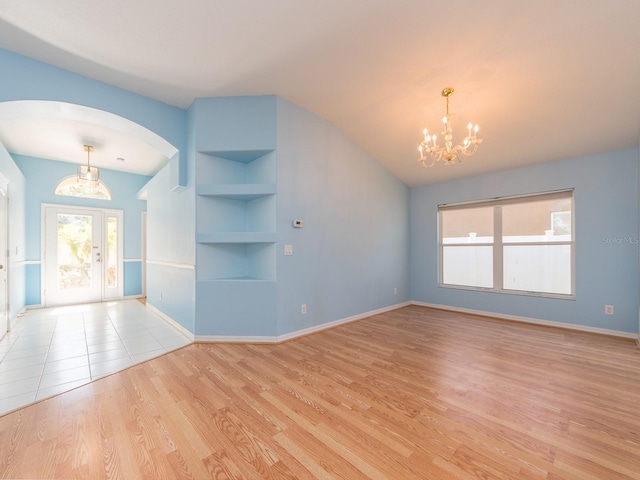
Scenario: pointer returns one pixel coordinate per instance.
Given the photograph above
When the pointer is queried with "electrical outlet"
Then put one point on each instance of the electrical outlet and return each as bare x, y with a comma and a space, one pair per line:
395, 291
608, 310
303, 309
160, 296
288, 250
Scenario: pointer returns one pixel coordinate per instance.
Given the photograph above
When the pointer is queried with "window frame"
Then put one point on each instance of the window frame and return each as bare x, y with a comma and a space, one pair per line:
498, 244
62, 185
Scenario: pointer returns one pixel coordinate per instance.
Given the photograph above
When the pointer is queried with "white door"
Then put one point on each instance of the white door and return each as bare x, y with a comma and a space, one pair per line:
82, 255
4, 260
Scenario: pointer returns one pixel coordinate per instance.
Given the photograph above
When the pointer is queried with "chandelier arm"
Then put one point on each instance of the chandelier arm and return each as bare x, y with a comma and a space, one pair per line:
428, 165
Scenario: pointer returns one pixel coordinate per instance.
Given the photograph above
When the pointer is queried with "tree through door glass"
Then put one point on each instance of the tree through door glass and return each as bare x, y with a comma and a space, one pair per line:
74, 251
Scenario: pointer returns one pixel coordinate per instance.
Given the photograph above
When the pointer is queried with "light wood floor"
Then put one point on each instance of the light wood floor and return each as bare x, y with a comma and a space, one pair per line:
413, 393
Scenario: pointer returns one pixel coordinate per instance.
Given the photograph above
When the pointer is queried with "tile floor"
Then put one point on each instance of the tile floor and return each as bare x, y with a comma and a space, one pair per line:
53, 350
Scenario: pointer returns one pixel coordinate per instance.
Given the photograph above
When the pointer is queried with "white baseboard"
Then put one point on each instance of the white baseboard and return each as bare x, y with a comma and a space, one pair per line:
14, 320
297, 333
536, 321
171, 321
235, 339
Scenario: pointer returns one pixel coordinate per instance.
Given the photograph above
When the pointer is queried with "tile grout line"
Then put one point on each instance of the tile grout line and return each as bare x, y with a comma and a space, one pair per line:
86, 346
120, 339
44, 365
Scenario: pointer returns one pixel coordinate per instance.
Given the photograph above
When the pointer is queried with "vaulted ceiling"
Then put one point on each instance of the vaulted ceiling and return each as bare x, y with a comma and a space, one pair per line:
545, 80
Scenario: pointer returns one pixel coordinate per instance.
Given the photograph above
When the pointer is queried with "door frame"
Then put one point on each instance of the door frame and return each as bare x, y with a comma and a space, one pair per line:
144, 254
105, 212
6, 256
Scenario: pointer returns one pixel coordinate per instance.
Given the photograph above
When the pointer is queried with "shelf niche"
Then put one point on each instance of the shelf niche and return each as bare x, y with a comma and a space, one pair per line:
236, 261
236, 215
237, 168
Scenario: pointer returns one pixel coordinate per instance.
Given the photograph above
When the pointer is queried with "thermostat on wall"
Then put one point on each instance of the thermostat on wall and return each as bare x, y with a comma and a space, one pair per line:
298, 223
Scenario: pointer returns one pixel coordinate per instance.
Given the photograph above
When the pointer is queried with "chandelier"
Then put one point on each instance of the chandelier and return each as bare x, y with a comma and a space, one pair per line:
88, 175
429, 146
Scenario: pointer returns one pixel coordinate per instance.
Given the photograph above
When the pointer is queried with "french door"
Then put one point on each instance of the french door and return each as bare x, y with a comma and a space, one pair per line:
82, 252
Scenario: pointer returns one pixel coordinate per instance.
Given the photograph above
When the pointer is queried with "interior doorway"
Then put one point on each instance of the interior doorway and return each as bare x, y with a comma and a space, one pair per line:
4, 257
144, 254
82, 255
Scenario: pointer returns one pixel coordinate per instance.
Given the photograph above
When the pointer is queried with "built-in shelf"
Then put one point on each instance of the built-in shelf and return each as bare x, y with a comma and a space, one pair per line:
244, 191
239, 156
214, 168
236, 237
236, 260
235, 217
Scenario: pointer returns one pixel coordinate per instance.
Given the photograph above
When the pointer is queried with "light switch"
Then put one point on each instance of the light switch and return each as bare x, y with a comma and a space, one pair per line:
288, 249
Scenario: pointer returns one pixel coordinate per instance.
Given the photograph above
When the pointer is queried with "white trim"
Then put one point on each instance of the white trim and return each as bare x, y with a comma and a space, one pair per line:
188, 266
509, 199
132, 260
16, 319
235, 339
171, 321
21, 263
536, 321
297, 333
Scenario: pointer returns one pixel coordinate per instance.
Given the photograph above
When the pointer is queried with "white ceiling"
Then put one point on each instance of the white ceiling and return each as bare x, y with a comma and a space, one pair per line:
64, 140
545, 80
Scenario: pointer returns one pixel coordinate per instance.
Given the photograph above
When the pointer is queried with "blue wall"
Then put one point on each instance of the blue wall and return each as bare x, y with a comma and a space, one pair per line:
354, 247
42, 176
606, 233
33, 80
171, 248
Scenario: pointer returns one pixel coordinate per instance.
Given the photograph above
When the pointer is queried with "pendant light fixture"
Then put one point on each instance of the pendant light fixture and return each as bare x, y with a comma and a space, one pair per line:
88, 175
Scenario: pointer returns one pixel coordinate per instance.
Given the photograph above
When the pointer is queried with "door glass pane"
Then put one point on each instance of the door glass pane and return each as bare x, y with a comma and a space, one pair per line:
74, 252
112, 252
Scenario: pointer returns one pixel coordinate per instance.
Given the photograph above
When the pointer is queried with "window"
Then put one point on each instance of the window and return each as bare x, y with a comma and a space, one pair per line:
512, 245
71, 188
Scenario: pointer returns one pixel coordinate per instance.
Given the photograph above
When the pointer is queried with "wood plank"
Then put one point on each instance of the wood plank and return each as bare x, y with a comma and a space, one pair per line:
415, 393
